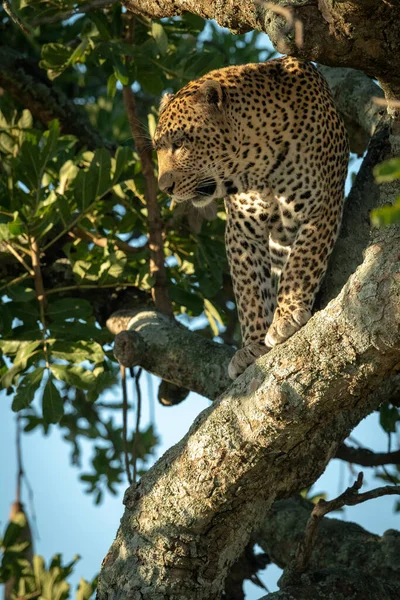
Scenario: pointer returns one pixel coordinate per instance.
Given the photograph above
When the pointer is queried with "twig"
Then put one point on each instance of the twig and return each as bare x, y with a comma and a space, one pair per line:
19, 258
7, 7
20, 470
102, 242
125, 423
157, 266
367, 458
21, 476
40, 292
15, 281
90, 286
386, 103
138, 414
350, 497
71, 13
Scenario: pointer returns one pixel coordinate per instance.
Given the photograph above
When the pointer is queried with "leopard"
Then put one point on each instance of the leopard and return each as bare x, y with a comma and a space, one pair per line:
268, 139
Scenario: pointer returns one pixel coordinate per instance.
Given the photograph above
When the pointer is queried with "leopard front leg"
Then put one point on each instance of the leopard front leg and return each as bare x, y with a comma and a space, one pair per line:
302, 276
249, 260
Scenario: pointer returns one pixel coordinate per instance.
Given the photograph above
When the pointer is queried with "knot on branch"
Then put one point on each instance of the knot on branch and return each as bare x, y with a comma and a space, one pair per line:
129, 348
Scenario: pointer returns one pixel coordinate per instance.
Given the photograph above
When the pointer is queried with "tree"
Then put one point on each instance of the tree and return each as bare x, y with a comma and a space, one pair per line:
83, 233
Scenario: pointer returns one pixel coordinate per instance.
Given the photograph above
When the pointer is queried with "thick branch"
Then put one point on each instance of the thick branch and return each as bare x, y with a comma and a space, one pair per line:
23, 79
362, 35
367, 458
163, 347
339, 544
192, 513
349, 497
340, 584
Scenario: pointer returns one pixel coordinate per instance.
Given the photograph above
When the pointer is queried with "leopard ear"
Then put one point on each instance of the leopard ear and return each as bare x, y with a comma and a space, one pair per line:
165, 100
211, 92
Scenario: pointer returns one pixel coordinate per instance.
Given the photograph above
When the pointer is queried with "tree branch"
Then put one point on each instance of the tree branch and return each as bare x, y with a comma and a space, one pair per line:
287, 413
350, 497
80, 9
28, 84
367, 458
340, 584
339, 544
353, 34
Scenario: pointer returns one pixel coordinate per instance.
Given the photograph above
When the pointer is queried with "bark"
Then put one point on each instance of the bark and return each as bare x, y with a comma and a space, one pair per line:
338, 584
367, 458
339, 544
192, 514
28, 85
351, 33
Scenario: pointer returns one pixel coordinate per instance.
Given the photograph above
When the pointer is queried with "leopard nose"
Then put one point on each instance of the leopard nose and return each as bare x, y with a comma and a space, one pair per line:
166, 183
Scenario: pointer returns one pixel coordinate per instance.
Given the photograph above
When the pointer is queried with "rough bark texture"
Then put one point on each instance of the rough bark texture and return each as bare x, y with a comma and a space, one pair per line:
352, 33
339, 544
193, 512
338, 584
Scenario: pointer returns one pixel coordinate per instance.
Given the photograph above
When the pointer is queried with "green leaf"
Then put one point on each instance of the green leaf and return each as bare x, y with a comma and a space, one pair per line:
389, 416
93, 183
26, 350
387, 215
52, 403
29, 158
85, 590
26, 389
5, 233
387, 171
111, 85
21, 293
213, 316
68, 172
74, 376
184, 298
25, 121
50, 138
16, 227
55, 58
14, 529
77, 352
151, 82
101, 22
121, 157
120, 70
158, 33
68, 308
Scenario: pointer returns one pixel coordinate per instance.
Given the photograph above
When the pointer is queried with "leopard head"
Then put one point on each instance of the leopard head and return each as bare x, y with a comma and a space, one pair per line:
193, 140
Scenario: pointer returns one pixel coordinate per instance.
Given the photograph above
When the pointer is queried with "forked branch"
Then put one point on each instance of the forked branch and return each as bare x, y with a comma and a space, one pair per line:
350, 497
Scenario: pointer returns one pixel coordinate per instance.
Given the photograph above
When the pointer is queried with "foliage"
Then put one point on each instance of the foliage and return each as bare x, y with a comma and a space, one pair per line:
73, 228
387, 172
31, 577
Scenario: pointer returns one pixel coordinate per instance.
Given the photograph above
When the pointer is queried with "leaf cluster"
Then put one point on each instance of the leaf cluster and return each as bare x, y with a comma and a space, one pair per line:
73, 221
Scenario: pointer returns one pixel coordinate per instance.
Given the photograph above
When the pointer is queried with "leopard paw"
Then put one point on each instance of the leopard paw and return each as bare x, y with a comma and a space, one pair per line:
283, 327
244, 357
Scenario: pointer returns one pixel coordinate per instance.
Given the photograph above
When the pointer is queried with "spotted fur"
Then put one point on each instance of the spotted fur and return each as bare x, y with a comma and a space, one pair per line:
267, 138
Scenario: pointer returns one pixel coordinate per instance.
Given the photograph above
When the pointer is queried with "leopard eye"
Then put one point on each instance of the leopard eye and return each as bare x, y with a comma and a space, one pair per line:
178, 143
